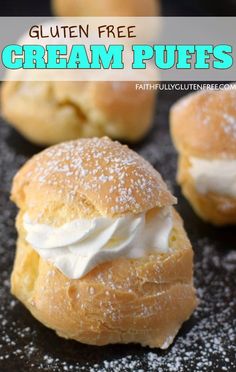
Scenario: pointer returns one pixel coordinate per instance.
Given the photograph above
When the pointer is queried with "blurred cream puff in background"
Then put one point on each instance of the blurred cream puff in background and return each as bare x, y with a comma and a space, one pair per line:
203, 127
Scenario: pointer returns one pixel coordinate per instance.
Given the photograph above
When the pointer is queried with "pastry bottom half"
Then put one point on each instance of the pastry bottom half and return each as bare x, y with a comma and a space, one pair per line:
142, 300
211, 207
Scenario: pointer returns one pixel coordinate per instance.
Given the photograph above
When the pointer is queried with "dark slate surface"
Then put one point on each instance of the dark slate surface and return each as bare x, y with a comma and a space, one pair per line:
207, 340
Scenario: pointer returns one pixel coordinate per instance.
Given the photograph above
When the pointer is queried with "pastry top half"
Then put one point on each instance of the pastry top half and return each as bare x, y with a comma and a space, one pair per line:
104, 8
88, 178
203, 124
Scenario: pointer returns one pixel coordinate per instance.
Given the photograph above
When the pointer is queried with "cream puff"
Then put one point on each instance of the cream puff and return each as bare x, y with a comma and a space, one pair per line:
203, 127
102, 255
47, 113
106, 8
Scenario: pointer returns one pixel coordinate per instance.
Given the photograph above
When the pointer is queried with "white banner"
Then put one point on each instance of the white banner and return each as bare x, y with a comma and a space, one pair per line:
118, 49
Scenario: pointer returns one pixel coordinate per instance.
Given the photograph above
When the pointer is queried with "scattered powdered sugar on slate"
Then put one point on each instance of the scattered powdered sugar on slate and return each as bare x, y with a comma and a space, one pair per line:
161, 154
10, 160
205, 343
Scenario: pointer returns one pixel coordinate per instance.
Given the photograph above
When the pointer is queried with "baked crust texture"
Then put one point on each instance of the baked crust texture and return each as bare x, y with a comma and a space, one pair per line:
87, 178
47, 113
203, 124
106, 8
211, 207
143, 301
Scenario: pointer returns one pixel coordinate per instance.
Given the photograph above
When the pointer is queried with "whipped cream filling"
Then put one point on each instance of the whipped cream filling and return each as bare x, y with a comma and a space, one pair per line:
80, 245
217, 176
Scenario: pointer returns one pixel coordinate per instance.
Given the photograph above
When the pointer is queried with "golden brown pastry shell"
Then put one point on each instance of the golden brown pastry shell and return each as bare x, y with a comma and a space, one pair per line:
47, 113
144, 300
203, 124
106, 8
211, 207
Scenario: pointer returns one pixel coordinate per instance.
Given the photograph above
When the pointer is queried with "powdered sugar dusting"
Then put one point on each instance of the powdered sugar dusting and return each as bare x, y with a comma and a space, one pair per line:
213, 113
229, 124
121, 180
219, 106
206, 343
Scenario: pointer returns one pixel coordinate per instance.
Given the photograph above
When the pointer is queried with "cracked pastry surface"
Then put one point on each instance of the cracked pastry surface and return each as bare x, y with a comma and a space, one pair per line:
47, 113
142, 299
203, 127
